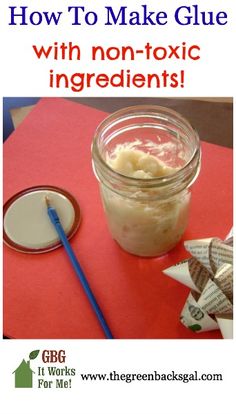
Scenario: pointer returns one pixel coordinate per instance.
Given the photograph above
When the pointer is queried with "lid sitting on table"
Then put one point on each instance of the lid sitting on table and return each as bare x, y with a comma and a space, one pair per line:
26, 225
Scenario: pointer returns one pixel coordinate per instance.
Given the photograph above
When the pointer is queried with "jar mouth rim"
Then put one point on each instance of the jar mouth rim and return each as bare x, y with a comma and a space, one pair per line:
143, 110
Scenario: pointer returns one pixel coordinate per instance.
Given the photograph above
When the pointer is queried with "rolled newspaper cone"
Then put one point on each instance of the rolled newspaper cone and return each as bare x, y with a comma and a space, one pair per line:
225, 323
209, 275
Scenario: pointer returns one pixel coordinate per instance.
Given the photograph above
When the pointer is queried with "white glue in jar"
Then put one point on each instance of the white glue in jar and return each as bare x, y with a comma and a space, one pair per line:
146, 158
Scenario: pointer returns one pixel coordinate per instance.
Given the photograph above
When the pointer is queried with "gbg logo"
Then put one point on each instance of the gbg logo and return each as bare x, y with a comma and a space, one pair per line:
24, 373
53, 356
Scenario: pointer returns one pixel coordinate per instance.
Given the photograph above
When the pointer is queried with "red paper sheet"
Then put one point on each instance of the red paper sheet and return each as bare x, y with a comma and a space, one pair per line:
42, 296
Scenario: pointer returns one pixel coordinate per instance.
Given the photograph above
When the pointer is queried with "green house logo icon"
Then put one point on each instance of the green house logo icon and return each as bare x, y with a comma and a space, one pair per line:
23, 373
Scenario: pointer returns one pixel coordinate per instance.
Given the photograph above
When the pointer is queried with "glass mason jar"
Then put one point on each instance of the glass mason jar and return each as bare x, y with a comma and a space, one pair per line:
147, 216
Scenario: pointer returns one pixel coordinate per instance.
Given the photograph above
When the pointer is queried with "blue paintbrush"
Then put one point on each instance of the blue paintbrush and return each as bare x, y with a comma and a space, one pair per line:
79, 272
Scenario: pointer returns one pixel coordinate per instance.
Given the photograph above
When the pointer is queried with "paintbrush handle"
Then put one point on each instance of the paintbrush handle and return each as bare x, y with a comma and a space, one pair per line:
78, 270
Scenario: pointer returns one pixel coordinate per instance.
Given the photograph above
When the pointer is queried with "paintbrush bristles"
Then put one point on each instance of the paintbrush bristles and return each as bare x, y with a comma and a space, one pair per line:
47, 199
